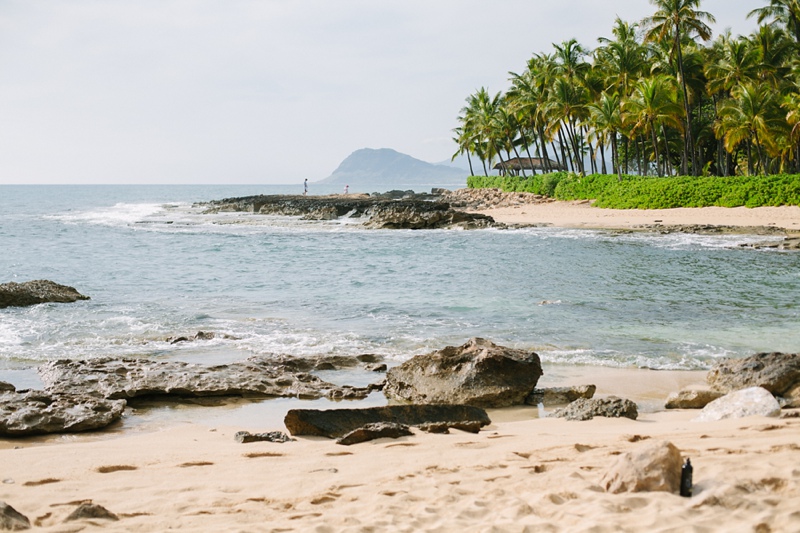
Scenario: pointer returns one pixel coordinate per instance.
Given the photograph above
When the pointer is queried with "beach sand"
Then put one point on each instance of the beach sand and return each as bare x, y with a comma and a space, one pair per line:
521, 473
583, 215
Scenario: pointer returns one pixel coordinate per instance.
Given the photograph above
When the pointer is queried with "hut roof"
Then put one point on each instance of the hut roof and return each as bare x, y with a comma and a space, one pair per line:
528, 163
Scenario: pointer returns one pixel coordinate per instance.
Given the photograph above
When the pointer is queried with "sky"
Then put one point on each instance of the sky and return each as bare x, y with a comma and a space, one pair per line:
264, 91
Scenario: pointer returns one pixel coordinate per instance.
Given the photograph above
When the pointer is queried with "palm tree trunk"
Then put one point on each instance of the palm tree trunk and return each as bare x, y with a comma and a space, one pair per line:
469, 160
667, 165
601, 149
689, 140
615, 156
655, 150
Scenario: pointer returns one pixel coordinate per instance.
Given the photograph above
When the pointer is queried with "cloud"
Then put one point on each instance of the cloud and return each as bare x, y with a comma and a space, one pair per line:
245, 91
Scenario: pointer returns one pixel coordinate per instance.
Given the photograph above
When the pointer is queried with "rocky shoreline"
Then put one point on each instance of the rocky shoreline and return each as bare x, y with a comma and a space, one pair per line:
83, 395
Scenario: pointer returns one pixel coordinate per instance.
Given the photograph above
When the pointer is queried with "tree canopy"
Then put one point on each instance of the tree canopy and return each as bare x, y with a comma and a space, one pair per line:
657, 97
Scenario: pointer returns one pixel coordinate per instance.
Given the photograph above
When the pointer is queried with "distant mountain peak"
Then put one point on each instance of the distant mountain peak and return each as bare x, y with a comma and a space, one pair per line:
382, 168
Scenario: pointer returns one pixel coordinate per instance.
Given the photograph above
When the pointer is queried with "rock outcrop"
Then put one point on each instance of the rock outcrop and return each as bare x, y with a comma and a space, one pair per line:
131, 378
37, 413
777, 372
754, 401
652, 467
37, 292
611, 407
414, 211
478, 373
334, 423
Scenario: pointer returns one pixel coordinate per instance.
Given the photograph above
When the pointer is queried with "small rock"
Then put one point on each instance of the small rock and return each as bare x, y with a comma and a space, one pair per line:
691, 399
654, 466
586, 409
11, 519
273, 436
37, 292
91, 510
7, 387
378, 430
755, 401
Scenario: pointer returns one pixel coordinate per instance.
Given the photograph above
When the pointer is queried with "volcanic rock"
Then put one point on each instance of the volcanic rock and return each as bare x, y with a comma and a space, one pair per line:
38, 413
478, 373
611, 407
755, 401
91, 510
334, 423
37, 292
130, 378
777, 372
652, 467
560, 395
378, 430
11, 519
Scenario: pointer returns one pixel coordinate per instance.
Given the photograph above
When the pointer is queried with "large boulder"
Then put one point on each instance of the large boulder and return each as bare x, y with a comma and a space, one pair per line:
130, 378
777, 372
334, 423
37, 413
37, 292
755, 401
654, 466
586, 409
477, 373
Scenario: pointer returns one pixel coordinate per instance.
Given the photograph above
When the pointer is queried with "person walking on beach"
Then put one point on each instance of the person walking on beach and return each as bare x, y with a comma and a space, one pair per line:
305, 187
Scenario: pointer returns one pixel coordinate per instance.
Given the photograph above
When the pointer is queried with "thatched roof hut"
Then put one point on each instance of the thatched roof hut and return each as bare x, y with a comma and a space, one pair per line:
513, 165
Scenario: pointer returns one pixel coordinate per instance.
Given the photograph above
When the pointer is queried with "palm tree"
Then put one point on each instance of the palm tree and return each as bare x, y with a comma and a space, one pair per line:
607, 120
651, 107
674, 20
784, 13
750, 116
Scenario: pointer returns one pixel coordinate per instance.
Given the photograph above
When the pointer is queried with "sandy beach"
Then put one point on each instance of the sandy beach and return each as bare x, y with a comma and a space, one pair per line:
583, 215
521, 473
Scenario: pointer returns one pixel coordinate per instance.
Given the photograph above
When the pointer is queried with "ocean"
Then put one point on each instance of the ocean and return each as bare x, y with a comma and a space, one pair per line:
156, 268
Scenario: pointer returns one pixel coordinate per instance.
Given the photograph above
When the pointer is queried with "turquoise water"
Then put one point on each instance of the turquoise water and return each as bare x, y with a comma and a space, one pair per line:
156, 268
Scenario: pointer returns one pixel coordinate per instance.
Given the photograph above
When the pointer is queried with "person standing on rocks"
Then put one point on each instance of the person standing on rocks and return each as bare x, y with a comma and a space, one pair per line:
305, 187
346, 188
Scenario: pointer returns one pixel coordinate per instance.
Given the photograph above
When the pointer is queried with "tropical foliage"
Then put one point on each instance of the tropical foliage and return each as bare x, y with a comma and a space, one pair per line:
659, 98
643, 192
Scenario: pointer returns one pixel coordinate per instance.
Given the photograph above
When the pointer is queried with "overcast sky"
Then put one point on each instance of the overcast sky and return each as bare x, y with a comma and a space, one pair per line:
263, 91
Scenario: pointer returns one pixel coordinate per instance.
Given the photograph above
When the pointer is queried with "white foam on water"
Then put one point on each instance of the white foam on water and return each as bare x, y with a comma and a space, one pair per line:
120, 214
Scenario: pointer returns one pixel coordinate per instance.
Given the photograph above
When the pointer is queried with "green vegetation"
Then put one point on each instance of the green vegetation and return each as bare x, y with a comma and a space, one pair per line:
643, 192
653, 99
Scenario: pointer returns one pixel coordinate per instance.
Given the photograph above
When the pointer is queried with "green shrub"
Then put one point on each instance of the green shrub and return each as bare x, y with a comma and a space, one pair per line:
644, 192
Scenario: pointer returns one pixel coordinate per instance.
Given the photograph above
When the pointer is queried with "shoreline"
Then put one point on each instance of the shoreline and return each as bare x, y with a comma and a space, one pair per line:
581, 214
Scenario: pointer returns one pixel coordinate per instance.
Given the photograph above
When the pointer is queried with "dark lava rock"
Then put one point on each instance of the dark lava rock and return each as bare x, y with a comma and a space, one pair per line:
560, 395
401, 210
334, 423
91, 510
6, 387
37, 292
611, 407
691, 399
256, 377
378, 430
38, 413
478, 373
777, 372
273, 436
11, 519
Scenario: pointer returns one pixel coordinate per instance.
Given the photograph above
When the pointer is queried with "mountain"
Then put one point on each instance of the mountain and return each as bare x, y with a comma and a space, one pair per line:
384, 169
